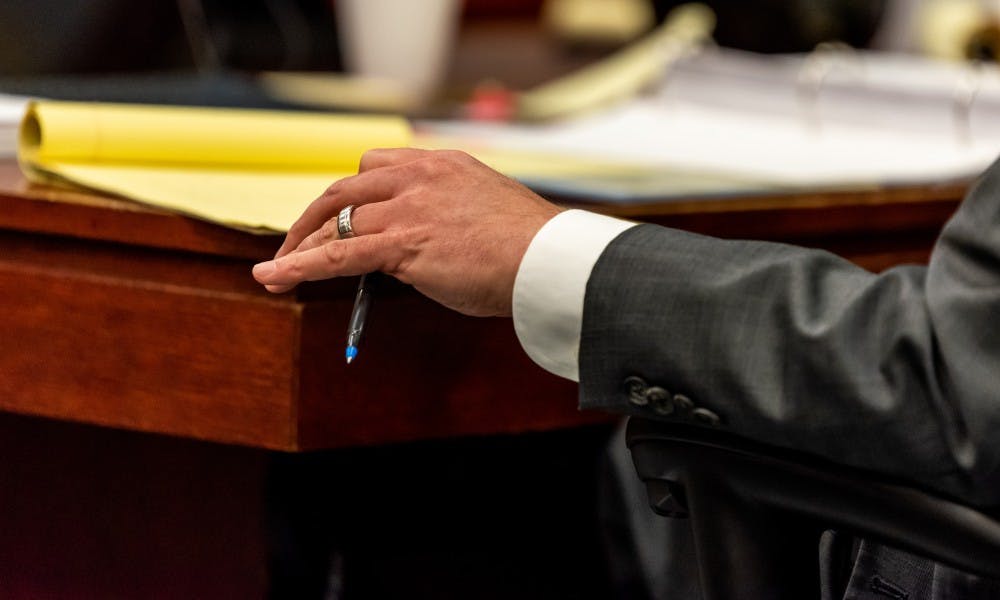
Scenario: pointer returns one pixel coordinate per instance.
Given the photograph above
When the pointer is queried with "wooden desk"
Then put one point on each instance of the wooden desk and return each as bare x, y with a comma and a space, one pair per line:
135, 318
139, 319
119, 315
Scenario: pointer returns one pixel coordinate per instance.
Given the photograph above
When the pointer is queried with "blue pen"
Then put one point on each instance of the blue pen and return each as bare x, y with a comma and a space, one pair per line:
362, 305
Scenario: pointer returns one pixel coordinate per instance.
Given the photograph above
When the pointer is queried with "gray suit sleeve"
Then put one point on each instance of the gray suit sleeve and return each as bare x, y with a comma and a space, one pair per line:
896, 372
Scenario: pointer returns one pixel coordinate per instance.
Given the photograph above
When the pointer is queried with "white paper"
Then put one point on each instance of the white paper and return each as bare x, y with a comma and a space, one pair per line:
877, 119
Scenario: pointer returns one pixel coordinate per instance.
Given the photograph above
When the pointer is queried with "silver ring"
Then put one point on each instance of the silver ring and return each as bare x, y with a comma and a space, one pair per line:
344, 229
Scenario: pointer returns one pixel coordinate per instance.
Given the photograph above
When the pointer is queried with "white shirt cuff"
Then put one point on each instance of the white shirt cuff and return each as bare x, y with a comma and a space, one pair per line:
551, 284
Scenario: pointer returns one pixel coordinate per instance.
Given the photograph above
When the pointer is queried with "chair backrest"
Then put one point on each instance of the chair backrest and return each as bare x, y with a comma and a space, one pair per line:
757, 511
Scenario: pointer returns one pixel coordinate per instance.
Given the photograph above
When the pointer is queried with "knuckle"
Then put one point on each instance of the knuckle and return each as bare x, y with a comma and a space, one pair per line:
424, 167
457, 156
406, 244
450, 162
333, 255
329, 231
408, 202
395, 238
334, 188
373, 157
367, 158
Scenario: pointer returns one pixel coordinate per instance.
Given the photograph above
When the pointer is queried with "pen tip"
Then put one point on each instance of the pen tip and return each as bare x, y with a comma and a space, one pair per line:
349, 359
351, 353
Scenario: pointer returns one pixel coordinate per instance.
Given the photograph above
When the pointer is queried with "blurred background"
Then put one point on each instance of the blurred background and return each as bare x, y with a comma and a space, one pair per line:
436, 58
515, 43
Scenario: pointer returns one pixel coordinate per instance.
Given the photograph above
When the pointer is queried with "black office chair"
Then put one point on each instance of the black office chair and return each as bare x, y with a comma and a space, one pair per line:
757, 512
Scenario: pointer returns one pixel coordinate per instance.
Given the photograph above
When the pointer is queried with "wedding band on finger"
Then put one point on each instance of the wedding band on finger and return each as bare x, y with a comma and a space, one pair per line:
344, 228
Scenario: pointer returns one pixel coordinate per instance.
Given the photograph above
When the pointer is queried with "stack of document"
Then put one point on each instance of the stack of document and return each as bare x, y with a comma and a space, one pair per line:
251, 169
740, 119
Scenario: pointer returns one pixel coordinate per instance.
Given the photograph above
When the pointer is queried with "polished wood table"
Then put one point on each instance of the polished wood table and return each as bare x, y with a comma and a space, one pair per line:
139, 320
136, 318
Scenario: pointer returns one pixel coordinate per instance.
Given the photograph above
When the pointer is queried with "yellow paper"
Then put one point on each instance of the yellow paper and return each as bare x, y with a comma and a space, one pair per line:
245, 168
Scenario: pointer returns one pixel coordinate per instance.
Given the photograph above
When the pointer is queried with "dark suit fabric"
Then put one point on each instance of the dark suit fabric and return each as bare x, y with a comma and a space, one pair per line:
897, 372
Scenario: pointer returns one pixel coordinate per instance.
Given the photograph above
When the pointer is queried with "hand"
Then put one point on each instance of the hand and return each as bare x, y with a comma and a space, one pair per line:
439, 220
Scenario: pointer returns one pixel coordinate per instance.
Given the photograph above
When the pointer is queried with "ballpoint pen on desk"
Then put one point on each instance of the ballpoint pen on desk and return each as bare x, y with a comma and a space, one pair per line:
362, 306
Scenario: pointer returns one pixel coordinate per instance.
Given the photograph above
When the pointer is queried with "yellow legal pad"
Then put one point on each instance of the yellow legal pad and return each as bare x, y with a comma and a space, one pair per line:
251, 169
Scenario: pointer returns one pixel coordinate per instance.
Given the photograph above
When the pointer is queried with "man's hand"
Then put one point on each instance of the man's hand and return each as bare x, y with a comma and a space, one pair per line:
439, 220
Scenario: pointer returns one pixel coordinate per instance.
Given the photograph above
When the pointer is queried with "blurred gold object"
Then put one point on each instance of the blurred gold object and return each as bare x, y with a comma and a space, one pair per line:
959, 30
984, 43
598, 21
624, 73
338, 91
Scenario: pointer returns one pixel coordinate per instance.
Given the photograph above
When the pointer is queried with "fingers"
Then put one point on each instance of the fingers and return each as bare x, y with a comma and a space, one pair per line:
382, 173
366, 219
371, 186
335, 259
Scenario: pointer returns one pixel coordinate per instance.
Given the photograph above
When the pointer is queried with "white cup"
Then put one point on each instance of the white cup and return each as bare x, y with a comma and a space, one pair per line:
403, 41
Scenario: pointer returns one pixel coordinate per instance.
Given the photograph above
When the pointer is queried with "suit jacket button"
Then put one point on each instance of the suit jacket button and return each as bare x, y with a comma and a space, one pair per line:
683, 403
660, 400
636, 388
703, 416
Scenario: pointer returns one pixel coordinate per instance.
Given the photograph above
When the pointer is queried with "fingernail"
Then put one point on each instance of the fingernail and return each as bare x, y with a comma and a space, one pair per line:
263, 269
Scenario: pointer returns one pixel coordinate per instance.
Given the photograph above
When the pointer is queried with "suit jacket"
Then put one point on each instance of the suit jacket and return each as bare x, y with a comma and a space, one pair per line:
896, 372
